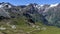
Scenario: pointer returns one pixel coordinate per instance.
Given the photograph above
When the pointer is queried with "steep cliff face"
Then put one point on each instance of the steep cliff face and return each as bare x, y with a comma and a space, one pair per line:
53, 15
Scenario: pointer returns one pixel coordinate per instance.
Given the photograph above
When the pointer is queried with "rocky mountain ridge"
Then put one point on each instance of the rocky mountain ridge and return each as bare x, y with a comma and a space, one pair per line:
48, 14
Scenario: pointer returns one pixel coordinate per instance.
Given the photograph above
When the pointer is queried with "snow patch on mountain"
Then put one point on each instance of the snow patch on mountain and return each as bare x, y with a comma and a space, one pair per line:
41, 5
0, 6
54, 5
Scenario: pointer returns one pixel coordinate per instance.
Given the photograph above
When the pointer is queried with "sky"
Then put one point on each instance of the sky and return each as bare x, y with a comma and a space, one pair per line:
24, 2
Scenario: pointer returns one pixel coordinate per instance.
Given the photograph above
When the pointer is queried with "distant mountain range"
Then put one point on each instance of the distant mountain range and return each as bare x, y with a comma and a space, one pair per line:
48, 14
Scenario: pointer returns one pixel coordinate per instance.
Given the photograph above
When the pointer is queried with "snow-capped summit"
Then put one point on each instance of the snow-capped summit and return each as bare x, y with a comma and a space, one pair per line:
54, 5
41, 5
3, 4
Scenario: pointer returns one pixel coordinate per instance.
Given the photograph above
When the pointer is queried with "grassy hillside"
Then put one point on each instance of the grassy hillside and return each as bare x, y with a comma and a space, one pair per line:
23, 28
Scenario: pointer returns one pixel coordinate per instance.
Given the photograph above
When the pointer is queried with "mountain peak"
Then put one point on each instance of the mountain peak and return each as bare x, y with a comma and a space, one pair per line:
3, 4
54, 5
